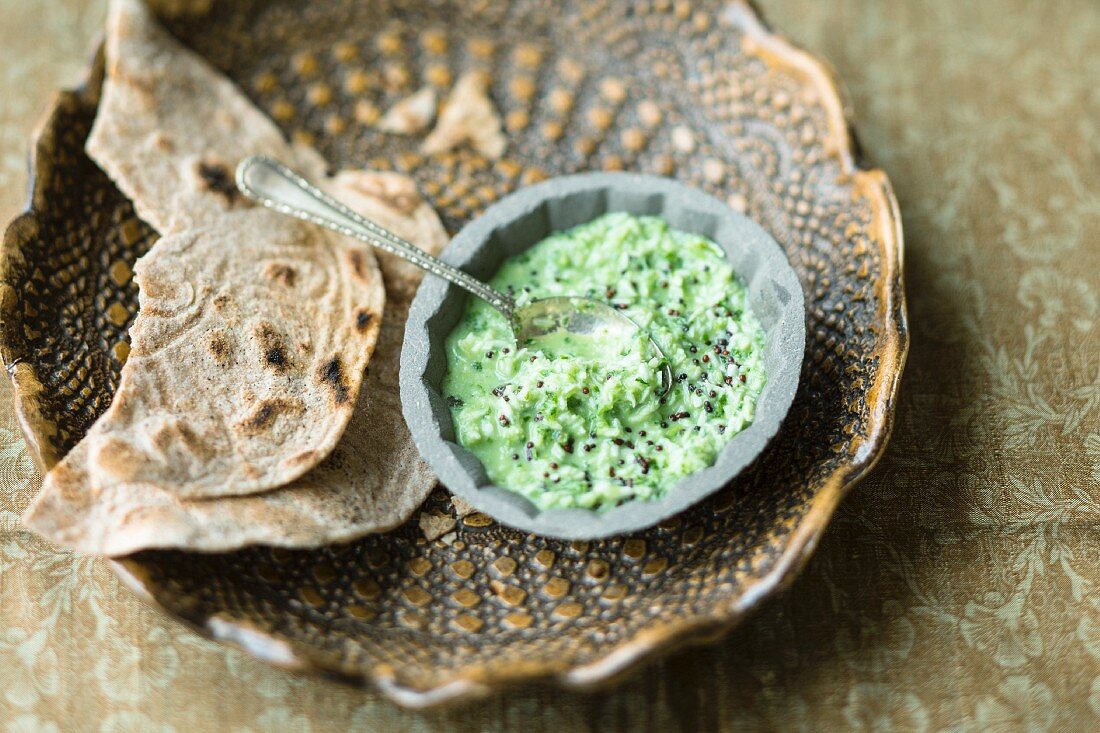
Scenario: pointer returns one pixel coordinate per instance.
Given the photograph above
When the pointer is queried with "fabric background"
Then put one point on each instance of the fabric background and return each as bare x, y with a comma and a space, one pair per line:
957, 587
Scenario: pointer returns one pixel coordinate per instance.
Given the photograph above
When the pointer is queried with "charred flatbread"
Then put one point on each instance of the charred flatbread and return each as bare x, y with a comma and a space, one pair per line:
244, 361
253, 329
373, 481
170, 129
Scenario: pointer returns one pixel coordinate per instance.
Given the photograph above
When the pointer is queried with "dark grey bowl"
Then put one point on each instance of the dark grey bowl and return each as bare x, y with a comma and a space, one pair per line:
522, 220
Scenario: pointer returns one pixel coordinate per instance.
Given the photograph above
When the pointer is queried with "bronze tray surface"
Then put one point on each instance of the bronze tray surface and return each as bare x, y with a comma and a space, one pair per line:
703, 92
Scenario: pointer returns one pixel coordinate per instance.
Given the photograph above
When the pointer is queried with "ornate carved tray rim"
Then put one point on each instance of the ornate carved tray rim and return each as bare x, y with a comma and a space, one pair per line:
650, 643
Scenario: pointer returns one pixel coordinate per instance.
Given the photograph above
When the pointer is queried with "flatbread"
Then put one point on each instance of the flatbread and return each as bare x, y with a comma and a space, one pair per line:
372, 482
468, 117
245, 361
374, 479
253, 330
170, 129
411, 115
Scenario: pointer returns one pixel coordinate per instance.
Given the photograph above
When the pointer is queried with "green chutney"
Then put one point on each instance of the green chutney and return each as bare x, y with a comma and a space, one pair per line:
592, 429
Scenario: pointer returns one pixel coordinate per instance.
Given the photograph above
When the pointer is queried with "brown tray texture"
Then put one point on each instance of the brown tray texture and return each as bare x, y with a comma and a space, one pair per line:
702, 92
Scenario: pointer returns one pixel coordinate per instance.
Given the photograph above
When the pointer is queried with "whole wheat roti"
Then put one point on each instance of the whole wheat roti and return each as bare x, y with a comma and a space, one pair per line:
373, 481
253, 329
170, 129
244, 361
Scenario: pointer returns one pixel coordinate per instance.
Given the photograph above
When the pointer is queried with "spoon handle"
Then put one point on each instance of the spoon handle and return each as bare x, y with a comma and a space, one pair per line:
276, 186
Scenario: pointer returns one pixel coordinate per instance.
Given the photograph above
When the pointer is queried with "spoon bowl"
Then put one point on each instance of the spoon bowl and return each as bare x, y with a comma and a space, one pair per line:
582, 326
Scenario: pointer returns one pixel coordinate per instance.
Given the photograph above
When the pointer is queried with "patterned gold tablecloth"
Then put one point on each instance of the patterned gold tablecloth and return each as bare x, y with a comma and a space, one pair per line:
956, 589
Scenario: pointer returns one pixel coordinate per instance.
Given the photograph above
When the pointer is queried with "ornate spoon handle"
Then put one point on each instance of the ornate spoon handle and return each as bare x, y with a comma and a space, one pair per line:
276, 186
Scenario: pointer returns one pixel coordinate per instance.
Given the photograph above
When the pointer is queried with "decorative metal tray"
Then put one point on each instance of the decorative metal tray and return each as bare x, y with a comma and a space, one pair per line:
699, 91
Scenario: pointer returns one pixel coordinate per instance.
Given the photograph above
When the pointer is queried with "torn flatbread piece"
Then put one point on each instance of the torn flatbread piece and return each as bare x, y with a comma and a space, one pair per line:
245, 361
170, 129
468, 117
373, 481
411, 115
253, 329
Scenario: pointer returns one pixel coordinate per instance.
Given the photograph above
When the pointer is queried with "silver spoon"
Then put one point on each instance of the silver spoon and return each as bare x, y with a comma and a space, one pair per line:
276, 186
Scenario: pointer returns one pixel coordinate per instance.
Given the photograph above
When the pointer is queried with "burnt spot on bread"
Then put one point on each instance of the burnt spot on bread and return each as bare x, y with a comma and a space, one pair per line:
142, 84
123, 405
358, 260
275, 357
404, 203
400, 197
363, 319
71, 481
215, 178
261, 419
266, 412
281, 272
219, 347
272, 348
119, 458
178, 433
309, 456
164, 142
332, 374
